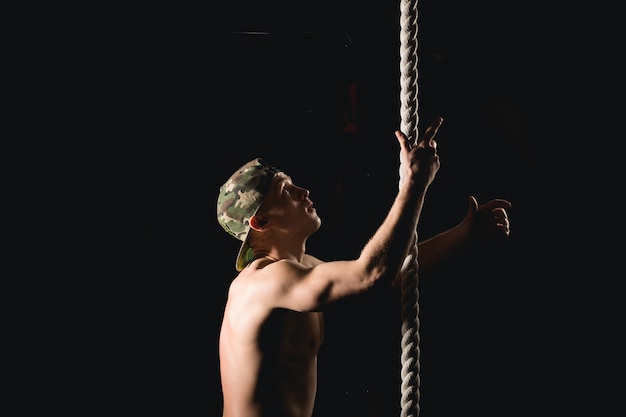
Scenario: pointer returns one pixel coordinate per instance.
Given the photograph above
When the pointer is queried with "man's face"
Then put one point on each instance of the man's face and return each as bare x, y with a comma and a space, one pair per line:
289, 208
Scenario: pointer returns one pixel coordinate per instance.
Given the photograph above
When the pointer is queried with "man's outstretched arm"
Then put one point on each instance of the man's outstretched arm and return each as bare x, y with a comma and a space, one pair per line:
481, 223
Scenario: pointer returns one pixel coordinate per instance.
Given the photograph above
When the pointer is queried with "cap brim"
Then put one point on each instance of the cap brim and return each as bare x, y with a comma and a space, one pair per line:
245, 255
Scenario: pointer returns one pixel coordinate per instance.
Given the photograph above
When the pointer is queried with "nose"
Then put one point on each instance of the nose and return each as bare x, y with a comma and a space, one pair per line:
304, 193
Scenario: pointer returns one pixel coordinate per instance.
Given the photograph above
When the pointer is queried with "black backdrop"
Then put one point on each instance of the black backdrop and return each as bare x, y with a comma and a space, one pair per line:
130, 117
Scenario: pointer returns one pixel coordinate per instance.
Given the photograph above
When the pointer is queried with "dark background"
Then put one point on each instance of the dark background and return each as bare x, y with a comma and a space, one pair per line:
128, 119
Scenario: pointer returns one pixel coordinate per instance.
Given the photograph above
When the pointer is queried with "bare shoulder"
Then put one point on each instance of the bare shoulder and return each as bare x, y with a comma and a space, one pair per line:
251, 298
267, 284
261, 281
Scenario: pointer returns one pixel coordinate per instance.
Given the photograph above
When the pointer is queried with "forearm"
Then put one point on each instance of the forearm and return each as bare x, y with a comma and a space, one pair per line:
386, 250
433, 251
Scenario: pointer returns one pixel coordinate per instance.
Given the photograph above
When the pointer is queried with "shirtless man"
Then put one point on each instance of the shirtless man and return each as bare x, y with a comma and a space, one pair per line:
273, 325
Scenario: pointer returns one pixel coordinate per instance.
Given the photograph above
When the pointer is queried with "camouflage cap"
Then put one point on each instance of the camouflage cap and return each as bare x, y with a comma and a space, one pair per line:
240, 198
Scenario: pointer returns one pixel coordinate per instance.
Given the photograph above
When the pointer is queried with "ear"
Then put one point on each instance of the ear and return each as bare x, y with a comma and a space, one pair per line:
258, 223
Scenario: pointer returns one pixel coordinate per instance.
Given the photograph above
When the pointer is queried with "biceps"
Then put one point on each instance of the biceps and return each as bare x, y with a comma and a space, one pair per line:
328, 283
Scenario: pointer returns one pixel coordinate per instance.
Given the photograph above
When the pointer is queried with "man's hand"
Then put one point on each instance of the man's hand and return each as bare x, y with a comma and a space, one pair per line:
419, 161
488, 220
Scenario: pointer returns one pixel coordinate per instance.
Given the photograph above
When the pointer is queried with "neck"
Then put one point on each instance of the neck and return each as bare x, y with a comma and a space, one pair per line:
270, 257
277, 253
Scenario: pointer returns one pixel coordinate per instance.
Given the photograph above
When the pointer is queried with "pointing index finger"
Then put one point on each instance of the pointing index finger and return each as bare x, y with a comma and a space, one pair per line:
432, 129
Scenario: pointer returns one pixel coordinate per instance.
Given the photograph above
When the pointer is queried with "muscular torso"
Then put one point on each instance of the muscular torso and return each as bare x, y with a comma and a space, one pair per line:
268, 358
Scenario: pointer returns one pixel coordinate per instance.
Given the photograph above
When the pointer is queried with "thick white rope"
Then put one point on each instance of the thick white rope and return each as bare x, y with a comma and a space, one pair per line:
409, 273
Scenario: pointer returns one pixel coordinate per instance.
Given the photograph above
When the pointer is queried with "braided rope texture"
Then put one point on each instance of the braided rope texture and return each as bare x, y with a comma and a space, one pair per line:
408, 68
410, 341
410, 337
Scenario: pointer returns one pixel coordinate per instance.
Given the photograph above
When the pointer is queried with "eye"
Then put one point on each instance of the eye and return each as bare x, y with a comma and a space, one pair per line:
287, 187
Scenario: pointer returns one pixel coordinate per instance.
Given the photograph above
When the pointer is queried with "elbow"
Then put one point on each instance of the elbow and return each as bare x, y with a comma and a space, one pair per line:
375, 274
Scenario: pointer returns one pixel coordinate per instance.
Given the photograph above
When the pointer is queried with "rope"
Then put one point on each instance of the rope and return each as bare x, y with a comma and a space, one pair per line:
410, 294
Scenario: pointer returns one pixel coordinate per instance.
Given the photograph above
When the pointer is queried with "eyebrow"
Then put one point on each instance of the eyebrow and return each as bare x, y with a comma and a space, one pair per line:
280, 179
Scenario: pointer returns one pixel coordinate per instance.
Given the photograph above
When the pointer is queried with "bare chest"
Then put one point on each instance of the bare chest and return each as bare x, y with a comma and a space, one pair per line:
292, 334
